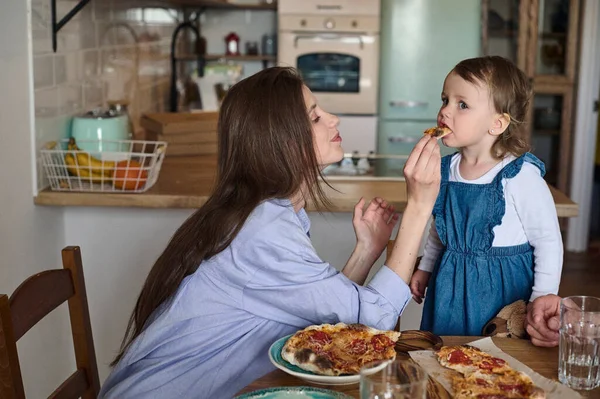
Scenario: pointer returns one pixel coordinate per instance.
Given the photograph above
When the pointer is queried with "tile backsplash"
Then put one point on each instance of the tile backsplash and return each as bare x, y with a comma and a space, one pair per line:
111, 50
119, 50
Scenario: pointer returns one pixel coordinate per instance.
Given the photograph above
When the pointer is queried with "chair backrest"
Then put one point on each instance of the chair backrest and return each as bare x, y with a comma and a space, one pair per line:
35, 298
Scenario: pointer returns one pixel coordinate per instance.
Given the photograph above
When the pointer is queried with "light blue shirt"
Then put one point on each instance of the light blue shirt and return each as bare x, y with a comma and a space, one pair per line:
211, 339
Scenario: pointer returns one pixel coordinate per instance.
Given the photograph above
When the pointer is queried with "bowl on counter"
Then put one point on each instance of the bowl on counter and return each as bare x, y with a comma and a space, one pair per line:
100, 131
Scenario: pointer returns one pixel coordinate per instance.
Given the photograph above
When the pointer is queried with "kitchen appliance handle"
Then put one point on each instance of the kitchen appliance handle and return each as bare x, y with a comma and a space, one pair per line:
327, 37
328, 7
408, 104
402, 139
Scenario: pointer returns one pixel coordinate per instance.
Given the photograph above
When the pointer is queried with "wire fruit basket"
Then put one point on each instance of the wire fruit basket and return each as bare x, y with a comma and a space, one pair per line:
119, 166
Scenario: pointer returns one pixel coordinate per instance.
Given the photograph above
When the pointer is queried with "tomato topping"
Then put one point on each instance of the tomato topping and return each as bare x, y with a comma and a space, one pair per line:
498, 362
518, 388
380, 342
482, 382
320, 337
485, 365
357, 347
458, 357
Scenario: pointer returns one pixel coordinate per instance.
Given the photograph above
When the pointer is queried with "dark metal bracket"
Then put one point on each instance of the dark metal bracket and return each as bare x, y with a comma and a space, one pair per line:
58, 26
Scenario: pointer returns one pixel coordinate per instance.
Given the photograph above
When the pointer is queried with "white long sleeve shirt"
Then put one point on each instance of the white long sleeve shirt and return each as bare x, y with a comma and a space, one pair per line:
530, 216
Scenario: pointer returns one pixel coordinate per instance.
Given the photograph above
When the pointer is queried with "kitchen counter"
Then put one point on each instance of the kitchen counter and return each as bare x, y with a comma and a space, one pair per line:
186, 182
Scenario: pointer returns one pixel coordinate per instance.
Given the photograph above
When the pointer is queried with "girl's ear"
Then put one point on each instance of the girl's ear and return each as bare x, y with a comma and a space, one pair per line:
500, 124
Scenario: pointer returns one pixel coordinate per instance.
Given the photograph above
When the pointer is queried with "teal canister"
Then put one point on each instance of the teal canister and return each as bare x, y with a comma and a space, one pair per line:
98, 131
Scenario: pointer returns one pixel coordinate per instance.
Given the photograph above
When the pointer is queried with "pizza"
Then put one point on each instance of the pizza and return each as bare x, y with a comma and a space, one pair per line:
468, 359
509, 385
483, 376
438, 132
339, 349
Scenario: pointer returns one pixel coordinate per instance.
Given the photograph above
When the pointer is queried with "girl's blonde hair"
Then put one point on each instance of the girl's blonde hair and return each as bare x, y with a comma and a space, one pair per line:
510, 92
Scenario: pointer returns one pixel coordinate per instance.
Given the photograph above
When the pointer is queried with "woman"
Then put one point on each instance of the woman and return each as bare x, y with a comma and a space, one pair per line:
241, 271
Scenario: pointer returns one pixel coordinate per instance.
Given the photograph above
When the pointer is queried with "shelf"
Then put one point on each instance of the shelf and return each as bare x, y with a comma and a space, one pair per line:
222, 5
215, 57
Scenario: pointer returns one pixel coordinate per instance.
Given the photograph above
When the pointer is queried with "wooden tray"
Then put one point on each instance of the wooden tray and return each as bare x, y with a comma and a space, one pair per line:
414, 340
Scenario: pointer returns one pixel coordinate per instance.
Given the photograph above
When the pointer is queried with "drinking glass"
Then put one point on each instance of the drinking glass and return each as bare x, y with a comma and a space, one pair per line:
579, 348
393, 379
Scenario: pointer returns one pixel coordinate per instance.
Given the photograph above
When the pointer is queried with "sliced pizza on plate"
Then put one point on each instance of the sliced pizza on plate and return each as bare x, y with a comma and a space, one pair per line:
339, 349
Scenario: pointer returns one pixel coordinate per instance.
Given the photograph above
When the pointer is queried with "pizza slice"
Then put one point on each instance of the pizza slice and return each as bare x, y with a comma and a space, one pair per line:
468, 359
483, 376
339, 349
438, 132
510, 385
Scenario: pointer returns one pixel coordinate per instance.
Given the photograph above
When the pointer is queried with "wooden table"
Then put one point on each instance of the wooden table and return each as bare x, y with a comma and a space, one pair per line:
542, 360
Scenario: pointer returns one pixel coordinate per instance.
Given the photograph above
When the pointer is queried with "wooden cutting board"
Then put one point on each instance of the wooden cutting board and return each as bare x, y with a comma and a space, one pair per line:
180, 122
184, 138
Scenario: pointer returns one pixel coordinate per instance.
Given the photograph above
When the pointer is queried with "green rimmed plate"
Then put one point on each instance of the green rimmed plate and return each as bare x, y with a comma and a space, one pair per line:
294, 393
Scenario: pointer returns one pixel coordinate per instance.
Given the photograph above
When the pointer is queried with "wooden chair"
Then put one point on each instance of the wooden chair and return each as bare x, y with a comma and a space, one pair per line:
389, 249
35, 298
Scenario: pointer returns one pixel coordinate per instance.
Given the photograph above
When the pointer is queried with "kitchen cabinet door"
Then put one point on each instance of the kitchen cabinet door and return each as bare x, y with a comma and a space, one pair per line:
550, 134
554, 45
505, 29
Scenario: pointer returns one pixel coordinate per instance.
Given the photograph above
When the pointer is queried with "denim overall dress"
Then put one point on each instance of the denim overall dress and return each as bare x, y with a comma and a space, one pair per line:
472, 280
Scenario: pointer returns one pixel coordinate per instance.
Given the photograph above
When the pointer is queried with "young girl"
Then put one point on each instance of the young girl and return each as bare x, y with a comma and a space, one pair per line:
496, 237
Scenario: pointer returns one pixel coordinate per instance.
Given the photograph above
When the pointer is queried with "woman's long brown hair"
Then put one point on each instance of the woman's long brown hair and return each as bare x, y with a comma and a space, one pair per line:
265, 151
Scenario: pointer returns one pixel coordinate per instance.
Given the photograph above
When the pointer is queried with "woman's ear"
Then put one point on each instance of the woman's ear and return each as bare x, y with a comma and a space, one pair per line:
500, 124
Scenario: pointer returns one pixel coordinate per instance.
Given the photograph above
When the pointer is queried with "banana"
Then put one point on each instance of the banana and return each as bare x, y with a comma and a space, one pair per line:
89, 163
82, 171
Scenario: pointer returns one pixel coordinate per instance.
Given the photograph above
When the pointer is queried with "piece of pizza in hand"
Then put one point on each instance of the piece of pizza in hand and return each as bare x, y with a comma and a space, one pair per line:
438, 132
339, 349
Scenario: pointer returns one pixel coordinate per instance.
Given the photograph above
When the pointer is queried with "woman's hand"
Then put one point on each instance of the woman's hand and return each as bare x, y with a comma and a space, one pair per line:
543, 321
373, 226
422, 172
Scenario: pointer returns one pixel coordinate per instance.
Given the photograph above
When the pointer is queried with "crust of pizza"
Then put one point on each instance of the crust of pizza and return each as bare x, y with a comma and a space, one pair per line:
338, 349
438, 132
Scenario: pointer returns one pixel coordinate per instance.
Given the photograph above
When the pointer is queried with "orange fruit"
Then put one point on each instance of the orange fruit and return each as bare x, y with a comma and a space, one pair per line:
129, 175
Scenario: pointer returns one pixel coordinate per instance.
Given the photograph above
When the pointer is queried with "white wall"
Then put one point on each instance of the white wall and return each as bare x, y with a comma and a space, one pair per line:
30, 237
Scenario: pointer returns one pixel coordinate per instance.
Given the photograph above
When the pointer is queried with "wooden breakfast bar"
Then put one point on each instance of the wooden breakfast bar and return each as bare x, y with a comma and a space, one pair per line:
186, 182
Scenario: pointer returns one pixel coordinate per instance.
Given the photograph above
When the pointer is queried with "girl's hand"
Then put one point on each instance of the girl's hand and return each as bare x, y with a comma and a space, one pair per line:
423, 175
373, 226
418, 283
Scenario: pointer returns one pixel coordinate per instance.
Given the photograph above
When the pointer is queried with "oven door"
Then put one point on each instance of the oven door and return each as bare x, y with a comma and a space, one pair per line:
340, 69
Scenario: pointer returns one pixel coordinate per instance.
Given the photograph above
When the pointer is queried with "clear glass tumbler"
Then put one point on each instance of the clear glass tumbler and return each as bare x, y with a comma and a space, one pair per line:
397, 379
579, 350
